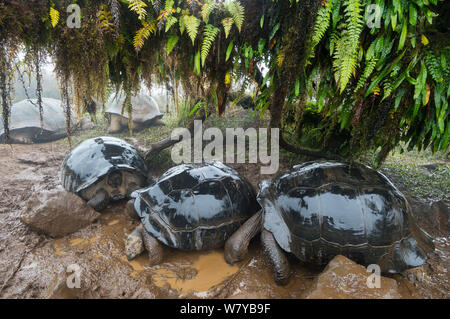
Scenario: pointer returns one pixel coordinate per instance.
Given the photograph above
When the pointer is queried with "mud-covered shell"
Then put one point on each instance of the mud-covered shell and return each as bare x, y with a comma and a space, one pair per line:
318, 210
97, 157
196, 206
145, 108
25, 117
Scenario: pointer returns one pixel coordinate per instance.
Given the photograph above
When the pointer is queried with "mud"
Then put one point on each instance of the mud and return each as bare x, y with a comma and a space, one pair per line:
35, 266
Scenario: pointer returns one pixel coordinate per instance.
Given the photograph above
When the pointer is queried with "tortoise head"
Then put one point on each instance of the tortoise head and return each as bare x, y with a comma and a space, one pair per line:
412, 251
409, 253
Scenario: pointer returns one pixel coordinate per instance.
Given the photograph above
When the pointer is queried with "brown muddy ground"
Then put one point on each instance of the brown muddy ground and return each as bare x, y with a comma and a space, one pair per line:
34, 266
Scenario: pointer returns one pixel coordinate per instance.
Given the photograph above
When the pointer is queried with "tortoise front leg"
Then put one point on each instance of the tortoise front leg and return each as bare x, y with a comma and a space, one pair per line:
21, 138
153, 247
134, 245
138, 241
236, 247
100, 201
131, 211
276, 257
115, 125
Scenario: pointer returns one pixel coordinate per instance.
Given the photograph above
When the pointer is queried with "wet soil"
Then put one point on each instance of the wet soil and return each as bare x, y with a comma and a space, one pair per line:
35, 266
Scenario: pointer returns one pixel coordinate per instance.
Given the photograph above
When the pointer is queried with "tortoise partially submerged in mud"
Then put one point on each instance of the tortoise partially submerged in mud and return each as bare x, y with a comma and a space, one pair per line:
25, 125
190, 207
103, 169
318, 210
145, 113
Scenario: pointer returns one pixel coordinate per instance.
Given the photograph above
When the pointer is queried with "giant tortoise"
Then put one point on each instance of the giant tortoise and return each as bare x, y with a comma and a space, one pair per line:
145, 113
103, 169
190, 207
318, 210
25, 125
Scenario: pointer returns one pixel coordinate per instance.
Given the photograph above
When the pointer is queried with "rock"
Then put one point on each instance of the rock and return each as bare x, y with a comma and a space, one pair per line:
345, 279
57, 213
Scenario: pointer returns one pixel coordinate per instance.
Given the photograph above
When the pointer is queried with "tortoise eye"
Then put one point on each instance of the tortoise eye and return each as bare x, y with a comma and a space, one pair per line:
115, 179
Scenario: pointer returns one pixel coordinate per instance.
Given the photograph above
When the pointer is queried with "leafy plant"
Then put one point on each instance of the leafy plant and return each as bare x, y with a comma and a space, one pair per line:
139, 7
192, 24
209, 35
369, 87
346, 50
236, 11
54, 16
207, 8
143, 34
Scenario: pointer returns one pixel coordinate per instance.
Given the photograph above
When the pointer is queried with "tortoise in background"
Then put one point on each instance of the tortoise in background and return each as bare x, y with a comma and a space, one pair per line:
190, 207
318, 210
25, 125
145, 113
103, 169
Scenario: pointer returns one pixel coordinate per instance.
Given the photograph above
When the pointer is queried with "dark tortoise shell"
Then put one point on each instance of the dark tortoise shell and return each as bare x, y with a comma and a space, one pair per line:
318, 210
196, 206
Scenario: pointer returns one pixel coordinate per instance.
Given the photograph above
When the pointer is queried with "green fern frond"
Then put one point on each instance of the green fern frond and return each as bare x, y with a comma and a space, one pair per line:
192, 23
237, 11
209, 35
433, 64
207, 8
387, 88
227, 24
171, 42
344, 62
138, 6
354, 20
333, 39
54, 16
370, 66
321, 25
182, 24
169, 5
143, 34
171, 20
346, 49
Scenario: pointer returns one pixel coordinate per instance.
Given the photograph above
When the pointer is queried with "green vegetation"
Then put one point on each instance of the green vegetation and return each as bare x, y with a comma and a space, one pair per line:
412, 174
367, 87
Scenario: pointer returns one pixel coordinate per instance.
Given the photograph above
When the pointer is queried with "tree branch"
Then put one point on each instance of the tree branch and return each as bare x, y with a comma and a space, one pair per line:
157, 147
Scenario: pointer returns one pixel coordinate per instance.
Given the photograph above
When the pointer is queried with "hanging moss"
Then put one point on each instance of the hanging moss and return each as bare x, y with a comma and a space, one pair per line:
368, 87
6, 77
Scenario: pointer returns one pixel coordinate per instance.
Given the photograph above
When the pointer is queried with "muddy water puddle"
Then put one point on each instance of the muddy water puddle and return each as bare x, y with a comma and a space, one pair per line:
203, 274
201, 277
